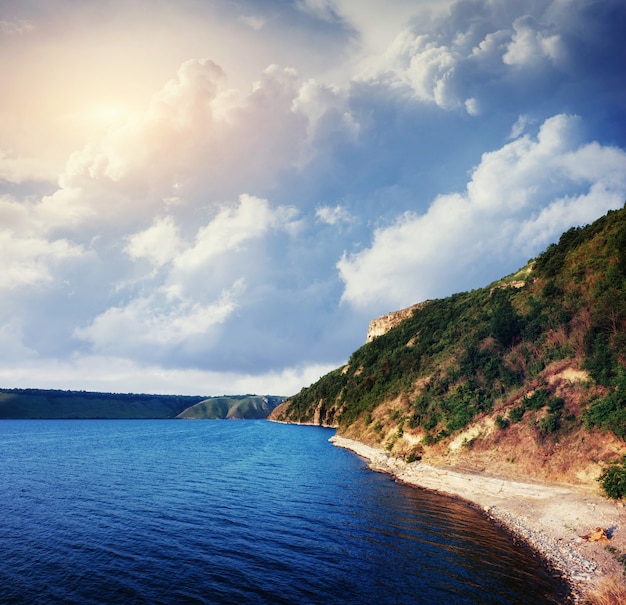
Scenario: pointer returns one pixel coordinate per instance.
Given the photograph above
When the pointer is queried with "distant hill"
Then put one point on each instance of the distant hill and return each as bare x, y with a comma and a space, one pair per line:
42, 403
525, 377
240, 407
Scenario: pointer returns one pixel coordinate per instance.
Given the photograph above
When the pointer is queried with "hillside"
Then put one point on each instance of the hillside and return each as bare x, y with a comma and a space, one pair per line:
523, 378
237, 407
42, 403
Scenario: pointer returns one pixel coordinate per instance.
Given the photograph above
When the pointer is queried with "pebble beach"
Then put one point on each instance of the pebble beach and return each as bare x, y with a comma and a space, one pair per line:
557, 521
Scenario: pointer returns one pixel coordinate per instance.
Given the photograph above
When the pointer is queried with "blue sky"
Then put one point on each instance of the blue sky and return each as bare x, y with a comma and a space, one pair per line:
217, 197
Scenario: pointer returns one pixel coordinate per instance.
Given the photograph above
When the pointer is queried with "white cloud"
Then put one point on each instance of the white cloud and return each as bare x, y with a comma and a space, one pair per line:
197, 138
316, 100
333, 215
520, 126
157, 142
471, 56
183, 307
156, 321
122, 375
159, 244
525, 47
426, 67
472, 106
17, 169
533, 43
519, 198
232, 228
30, 261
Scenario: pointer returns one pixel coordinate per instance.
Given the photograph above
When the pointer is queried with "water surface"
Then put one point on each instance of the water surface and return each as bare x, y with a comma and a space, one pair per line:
240, 512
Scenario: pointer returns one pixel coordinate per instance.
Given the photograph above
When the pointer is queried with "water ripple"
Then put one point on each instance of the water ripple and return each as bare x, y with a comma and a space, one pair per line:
175, 512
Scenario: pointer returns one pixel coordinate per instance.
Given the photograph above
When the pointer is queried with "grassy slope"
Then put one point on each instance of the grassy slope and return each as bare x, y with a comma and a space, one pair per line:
524, 377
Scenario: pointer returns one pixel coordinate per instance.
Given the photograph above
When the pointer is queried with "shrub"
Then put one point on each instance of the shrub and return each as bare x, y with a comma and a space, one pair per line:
415, 454
501, 422
609, 413
613, 479
537, 400
550, 424
506, 325
516, 413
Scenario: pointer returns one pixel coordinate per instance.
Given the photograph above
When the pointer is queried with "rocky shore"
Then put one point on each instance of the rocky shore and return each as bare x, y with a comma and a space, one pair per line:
555, 520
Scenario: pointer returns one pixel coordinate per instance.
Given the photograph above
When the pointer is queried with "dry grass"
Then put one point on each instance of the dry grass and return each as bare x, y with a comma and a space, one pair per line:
609, 592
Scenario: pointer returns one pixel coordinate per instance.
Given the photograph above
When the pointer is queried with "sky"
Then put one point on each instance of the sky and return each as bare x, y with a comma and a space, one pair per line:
213, 197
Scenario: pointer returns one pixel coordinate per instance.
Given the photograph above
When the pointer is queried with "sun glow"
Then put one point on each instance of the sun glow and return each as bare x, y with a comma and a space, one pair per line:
108, 113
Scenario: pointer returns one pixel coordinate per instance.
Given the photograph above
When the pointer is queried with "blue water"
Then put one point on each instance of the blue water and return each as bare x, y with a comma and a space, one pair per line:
106, 511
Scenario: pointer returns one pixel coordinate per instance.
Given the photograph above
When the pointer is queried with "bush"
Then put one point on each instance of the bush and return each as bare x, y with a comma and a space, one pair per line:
506, 325
537, 400
613, 479
516, 413
550, 424
609, 413
501, 422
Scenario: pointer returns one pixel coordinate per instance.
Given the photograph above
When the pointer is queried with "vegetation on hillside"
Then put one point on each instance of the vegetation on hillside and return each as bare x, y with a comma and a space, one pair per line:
49, 403
236, 407
496, 349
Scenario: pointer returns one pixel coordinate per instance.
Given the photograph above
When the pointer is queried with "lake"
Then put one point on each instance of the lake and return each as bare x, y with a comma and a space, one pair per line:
173, 511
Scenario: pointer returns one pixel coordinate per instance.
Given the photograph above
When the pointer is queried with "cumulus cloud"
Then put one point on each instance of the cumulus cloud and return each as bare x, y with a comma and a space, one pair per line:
155, 322
193, 138
481, 52
529, 45
520, 197
156, 142
325, 106
30, 261
18, 169
184, 307
232, 228
159, 244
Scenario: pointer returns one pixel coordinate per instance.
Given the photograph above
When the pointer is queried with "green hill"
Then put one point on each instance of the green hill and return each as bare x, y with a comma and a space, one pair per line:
525, 377
245, 406
42, 403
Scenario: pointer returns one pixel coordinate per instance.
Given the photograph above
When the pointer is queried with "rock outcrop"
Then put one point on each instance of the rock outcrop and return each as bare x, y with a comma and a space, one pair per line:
383, 324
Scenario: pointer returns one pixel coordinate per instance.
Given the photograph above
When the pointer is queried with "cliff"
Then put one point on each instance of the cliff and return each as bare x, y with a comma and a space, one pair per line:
383, 324
524, 378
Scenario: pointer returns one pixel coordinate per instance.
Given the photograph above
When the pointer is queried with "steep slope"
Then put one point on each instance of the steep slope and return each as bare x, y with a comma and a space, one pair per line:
523, 378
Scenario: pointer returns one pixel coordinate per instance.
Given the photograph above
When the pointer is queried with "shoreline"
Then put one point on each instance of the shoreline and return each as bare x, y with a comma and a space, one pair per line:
551, 519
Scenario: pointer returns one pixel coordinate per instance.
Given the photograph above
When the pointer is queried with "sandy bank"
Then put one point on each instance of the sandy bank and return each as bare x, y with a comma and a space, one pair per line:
551, 518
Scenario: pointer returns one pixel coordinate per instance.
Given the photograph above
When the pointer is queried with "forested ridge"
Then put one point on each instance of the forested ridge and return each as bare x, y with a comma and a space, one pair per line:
538, 357
54, 403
